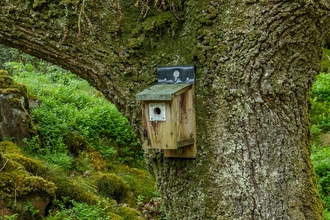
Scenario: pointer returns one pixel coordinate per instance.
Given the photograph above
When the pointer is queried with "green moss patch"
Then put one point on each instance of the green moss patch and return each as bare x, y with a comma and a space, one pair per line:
9, 147
78, 191
32, 166
110, 185
97, 161
140, 181
160, 21
8, 85
17, 186
129, 213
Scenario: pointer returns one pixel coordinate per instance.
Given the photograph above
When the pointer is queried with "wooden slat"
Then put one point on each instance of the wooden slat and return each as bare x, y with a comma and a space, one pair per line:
186, 142
186, 127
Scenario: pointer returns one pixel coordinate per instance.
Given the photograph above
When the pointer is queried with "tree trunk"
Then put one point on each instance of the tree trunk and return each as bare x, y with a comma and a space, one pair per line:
256, 62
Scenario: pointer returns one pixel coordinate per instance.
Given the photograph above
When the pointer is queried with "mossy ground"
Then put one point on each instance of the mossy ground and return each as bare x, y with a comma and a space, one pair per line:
117, 187
19, 186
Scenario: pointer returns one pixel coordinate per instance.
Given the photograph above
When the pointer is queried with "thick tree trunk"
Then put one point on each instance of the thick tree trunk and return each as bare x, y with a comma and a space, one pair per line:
256, 61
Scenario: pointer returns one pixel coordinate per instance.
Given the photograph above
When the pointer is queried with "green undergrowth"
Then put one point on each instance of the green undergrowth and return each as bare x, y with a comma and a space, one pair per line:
320, 98
85, 163
18, 186
320, 127
73, 116
97, 195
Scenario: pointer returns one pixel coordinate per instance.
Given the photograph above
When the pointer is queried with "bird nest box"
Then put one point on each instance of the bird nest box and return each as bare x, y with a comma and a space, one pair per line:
168, 112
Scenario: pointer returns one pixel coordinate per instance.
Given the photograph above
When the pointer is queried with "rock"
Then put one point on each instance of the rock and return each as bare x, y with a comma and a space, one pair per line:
22, 192
40, 203
4, 210
15, 121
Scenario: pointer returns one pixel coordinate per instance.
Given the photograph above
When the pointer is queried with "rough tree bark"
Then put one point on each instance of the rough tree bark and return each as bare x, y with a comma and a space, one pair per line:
256, 61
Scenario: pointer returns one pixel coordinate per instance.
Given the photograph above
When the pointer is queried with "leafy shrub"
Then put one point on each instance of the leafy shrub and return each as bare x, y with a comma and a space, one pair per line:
320, 99
320, 118
80, 211
11, 55
72, 116
321, 162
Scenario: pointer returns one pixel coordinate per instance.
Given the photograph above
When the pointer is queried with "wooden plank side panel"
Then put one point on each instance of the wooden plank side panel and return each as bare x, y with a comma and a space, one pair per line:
158, 134
186, 127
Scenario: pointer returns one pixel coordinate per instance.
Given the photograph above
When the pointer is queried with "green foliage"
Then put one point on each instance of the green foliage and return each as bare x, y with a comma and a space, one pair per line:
31, 208
5, 56
80, 137
11, 217
140, 199
72, 210
326, 214
78, 210
31, 145
72, 116
321, 87
57, 156
320, 118
82, 163
321, 162
320, 99
28, 62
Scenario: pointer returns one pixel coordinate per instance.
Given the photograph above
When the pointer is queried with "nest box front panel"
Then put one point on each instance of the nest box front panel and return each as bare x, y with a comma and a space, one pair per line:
159, 126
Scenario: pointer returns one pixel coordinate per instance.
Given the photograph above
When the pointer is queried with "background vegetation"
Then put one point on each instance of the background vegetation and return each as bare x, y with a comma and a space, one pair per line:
84, 147
320, 127
72, 116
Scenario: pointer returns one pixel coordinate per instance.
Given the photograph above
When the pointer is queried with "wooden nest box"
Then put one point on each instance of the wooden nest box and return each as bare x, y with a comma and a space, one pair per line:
168, 112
